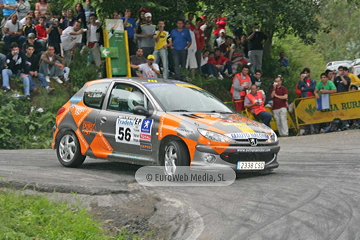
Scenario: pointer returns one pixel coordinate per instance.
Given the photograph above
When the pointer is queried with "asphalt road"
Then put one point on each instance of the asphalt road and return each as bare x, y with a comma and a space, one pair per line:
314, 194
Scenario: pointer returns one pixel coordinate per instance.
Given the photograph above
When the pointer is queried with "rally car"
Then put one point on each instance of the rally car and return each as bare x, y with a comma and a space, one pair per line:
159, 122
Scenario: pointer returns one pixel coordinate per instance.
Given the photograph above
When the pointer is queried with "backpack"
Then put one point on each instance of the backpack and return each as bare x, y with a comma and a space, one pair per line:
335, 125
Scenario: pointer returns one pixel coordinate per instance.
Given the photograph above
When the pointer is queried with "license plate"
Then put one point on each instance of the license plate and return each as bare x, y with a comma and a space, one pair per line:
250, 165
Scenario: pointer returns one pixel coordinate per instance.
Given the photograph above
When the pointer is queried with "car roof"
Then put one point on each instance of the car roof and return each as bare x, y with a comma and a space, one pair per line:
138, 80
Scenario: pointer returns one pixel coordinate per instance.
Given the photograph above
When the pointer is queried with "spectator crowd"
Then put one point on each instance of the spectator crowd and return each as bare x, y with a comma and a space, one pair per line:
40, 43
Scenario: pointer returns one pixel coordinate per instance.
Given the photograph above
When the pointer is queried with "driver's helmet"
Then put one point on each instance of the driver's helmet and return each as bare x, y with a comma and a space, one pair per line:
134, 99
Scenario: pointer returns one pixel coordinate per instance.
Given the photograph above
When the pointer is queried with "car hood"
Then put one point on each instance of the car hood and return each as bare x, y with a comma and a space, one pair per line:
229, 124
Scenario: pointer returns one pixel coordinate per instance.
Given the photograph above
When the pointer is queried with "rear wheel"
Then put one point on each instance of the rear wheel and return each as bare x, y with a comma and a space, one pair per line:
175, 154
68, 150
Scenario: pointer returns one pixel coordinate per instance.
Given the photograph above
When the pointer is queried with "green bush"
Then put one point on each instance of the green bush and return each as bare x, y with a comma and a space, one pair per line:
80, 71
22, 128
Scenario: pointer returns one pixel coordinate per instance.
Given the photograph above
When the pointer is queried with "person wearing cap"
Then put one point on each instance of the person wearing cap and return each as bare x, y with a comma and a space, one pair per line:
15, 62
31, 40
162, 42
52, 65
13, 32
221, 22
254, 101
149, 69
130, 26
221, 38
256, 40
145, 35
181, 41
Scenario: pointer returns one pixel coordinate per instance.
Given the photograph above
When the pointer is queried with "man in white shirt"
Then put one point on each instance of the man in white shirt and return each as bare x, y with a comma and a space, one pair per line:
70, 38
149, 69
191, 58
13, 32
94, 38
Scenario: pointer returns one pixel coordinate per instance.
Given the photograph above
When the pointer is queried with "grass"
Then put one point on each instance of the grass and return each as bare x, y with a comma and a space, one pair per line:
36, 217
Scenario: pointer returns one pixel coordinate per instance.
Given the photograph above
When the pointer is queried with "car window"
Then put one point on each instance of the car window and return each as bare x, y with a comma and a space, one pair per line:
181, 98
125, 97
94, 95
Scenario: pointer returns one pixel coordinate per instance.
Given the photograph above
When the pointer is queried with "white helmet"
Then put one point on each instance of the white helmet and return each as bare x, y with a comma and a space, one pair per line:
134, 99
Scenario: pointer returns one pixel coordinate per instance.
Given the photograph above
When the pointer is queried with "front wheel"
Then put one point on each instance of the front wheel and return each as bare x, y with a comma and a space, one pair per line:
175, 154
68, 150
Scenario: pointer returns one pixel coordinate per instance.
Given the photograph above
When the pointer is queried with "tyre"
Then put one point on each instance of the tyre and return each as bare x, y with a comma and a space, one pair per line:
175, 154
68, 150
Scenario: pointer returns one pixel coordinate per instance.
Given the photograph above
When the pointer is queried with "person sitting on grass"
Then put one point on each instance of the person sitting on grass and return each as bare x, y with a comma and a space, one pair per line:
52, 65
33, 62
15, 62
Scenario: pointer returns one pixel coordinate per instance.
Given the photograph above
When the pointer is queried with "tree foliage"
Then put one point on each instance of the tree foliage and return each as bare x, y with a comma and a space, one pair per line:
342, 41
278, 17
169, 11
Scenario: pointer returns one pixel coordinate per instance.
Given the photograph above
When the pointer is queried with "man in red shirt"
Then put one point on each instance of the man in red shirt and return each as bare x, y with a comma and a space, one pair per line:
255, 102
306, 84
279, 94
221, 63
200, 42
41, 31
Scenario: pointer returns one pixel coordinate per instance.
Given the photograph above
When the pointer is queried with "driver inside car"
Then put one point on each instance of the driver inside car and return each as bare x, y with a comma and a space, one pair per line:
135, 99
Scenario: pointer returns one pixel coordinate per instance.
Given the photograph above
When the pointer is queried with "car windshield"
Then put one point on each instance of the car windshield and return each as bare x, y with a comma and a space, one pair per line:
175, 98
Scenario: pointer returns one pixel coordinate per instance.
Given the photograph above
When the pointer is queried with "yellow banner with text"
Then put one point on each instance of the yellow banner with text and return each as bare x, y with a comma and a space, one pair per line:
345, 106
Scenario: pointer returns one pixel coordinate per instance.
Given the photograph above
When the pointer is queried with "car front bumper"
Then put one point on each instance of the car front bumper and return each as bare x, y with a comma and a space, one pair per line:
205, 157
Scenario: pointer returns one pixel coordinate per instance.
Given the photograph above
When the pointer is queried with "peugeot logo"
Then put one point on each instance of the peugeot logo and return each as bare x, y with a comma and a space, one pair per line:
253, 141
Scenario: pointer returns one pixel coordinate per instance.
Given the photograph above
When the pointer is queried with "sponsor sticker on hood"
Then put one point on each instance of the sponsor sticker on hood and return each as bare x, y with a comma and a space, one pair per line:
248, 135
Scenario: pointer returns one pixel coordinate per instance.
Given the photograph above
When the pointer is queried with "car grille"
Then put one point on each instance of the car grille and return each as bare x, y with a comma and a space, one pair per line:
245, 142
236, 157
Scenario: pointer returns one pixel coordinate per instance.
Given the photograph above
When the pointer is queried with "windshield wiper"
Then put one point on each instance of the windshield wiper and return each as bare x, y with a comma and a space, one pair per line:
178, 110
215, 111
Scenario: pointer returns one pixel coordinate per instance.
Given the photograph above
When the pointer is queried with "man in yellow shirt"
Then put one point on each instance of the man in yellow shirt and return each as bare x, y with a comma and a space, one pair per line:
162, 42
354, 79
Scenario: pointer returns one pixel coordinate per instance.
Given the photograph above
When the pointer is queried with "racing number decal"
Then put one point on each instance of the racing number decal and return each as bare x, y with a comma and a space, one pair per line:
128, 130
135, 131
124, 134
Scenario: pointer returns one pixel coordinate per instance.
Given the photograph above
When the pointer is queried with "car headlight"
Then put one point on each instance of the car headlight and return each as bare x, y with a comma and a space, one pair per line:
216, 137
273, 137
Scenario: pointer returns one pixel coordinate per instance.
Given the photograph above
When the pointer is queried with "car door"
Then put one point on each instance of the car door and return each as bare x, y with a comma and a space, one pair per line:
128, 134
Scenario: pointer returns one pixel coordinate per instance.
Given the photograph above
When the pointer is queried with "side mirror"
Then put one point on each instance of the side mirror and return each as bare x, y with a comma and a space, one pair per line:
140, 110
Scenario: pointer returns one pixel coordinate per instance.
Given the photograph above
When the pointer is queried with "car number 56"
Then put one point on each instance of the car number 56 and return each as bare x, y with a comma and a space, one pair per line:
124, 133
